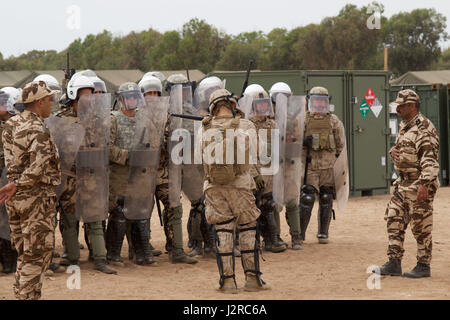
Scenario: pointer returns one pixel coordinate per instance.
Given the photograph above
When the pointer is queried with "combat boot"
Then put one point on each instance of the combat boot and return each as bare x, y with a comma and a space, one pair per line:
297, 242
281, 241
421, 270
140, 237
56, 267
252, 283
155, 252
267, 244
228, 287
393, 268
178, 255
100, 265
197, 249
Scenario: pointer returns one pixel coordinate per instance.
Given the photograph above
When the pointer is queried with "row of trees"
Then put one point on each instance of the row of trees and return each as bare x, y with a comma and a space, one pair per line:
340, 42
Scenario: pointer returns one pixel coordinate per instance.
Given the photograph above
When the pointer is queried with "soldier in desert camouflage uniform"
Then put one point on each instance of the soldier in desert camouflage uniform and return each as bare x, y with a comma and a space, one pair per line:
172, 214
261, 114
327, 136
415, 156
229, 194
33, 172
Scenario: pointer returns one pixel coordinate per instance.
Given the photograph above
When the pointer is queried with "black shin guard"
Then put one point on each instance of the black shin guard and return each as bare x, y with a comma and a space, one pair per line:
325, 211
216, 229
306, 205
256, 271
115, 234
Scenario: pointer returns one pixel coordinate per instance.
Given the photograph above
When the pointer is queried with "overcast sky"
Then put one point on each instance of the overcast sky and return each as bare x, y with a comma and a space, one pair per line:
46, 25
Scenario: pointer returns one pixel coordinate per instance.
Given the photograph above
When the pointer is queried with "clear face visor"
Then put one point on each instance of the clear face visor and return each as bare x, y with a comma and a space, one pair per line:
130, 100
187, 94
262, 108
100, 87
319, 104
4, 98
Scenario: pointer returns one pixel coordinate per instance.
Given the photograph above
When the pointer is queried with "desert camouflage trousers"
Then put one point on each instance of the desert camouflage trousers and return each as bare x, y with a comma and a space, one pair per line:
33, 221
230, 208
402, 209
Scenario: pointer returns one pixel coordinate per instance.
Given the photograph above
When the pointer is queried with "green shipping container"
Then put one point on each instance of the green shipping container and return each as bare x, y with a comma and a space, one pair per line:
434, 105
367, 134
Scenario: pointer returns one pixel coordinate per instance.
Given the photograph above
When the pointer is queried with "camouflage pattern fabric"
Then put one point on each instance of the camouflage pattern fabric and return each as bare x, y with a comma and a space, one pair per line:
418, 143
233, 201
120, 142
2, 153
33, 164
324, 159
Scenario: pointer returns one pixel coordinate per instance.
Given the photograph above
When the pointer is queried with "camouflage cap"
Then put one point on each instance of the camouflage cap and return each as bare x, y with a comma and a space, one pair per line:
406, 96
319, 90
220, 95
36, 90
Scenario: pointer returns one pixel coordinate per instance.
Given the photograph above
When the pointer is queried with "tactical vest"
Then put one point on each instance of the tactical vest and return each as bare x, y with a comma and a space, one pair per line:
319, 127
126, 127
223, 173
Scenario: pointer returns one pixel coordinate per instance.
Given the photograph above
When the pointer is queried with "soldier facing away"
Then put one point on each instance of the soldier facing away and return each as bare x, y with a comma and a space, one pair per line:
415, 156
229, 195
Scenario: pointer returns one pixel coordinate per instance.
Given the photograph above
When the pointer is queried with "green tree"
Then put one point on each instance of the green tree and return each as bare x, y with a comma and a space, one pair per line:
414, 39
242, 48
340, 42
201, 45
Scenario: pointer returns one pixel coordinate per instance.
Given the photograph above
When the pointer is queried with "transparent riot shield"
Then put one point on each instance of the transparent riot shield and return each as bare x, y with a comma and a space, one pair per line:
261, 107
341, 179
68, 137
289, 119
144, 158
175, 106
4, 219
192, 174
202, 94
280, 122
245, 105
93, 157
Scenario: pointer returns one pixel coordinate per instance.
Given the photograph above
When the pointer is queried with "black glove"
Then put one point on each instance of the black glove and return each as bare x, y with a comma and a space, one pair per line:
307, 142
259, 182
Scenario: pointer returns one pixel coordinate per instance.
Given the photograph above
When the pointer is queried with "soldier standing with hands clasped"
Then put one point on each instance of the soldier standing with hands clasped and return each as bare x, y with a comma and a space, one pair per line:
415, 156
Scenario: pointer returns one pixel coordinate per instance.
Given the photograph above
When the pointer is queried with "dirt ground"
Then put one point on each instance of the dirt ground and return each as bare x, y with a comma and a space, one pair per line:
337, 270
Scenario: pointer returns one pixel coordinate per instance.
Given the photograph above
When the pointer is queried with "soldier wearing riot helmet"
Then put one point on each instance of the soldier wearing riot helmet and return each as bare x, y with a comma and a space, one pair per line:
79, 89
325, 139
229, 198
173, 210
261, 114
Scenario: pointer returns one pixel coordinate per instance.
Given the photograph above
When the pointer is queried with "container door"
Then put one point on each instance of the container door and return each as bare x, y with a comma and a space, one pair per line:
369, 132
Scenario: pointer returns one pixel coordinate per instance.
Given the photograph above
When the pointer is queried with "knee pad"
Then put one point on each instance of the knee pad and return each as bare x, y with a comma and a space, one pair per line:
309, 189
325, 198
307, 199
